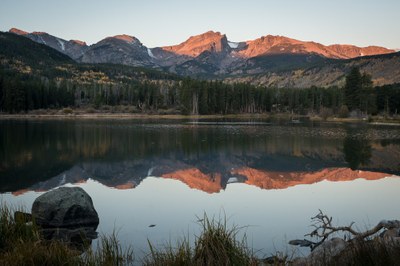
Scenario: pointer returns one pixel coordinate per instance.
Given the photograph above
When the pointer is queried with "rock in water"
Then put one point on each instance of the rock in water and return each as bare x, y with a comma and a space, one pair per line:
65, 207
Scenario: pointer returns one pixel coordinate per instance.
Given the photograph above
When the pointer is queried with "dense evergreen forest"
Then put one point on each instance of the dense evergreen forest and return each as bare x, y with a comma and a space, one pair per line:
34, 76
21, 93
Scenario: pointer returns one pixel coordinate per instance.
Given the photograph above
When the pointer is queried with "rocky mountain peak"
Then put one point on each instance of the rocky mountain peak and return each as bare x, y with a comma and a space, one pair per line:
209, 54
125, 38
73, 48
120, 49
351, 51
194, 46
39, 33
18, 31
78, 42
283, 45
271, 44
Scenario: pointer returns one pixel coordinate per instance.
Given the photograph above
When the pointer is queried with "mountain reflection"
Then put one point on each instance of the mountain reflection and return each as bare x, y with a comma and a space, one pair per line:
127, 175
40, 155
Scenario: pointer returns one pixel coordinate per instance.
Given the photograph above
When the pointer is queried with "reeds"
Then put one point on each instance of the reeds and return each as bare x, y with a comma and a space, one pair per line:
371, 252
21, 244
108, 252
216, 245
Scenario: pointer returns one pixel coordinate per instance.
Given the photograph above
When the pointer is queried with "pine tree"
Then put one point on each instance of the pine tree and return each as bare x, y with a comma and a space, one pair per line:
359, 93
353, 88
1, 94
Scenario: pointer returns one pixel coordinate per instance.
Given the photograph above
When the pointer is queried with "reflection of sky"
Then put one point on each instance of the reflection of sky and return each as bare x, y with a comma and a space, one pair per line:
273, 216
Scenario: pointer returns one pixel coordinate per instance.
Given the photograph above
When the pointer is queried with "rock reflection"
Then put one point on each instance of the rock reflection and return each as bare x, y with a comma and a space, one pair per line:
77, 238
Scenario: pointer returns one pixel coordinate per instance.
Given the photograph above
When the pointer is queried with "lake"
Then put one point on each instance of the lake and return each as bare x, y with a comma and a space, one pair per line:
269, 176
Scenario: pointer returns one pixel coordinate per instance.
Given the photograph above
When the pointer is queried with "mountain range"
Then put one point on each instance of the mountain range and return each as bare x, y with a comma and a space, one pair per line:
270, 60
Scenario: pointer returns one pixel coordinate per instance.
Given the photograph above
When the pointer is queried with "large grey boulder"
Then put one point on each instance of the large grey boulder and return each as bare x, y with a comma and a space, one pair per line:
65, 207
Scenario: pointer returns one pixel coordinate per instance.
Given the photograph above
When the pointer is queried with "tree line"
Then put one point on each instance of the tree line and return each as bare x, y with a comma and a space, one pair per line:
21, 93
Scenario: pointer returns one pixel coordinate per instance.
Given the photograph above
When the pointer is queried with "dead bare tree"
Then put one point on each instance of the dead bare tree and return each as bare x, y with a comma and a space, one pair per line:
323, 229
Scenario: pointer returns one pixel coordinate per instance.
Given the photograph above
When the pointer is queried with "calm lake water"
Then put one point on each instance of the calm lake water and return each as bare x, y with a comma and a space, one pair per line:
269, 176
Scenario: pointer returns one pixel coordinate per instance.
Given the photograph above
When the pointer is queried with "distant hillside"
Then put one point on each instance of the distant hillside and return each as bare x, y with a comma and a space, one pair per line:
24, 56
305, 71
17, 47
73, 48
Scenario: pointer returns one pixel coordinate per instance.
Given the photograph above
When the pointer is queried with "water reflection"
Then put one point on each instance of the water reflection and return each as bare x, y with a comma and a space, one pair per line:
40, 155
356, 148
166, 172
129, 175
78, 238
357, 152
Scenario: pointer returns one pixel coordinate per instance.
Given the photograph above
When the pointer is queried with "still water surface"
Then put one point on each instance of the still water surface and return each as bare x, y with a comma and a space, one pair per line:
269, 176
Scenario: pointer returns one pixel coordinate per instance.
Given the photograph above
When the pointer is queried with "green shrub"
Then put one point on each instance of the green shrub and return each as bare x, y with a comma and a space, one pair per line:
325, 113
90, 110
343, 111
67, 111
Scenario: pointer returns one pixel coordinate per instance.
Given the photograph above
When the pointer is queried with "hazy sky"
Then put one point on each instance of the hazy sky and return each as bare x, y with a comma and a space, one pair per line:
166, 22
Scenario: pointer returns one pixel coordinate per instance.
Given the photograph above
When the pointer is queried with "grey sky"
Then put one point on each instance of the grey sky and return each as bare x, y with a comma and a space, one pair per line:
166, 22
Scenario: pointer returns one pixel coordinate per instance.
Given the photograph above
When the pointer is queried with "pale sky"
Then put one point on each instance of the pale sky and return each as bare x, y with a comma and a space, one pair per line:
167, 22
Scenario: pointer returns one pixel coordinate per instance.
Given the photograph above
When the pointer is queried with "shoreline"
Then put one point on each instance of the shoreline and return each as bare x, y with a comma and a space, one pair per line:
137, 116
123, 116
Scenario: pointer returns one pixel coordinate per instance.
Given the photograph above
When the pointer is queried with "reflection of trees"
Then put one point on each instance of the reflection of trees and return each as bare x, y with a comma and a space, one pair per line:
357, 151
35, 151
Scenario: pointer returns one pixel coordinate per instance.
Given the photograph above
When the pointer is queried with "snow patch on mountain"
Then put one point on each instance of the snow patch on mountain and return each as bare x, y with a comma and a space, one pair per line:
61, 44
42, 40
233, 45
150, 53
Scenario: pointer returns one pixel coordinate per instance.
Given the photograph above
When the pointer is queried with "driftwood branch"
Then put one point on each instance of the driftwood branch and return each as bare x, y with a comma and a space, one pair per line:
323, 229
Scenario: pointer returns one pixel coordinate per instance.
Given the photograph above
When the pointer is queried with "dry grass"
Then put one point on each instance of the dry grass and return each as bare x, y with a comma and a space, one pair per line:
216, 245
21, 244
369, 253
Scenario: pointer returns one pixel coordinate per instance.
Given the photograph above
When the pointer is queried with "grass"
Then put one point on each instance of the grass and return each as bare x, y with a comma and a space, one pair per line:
216, 244
22, 244
181, 254
109, 252
369, 253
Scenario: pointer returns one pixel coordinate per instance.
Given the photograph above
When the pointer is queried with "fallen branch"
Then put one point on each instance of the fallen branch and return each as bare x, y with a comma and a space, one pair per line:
323, 229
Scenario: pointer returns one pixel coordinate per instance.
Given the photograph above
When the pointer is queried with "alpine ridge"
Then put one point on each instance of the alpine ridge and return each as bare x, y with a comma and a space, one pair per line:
211, 55
119, 49
216, 42
195, 45
72, 48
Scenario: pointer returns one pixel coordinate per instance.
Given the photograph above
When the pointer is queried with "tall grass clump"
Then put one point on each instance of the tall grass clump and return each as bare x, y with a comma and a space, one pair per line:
217, 244
169, 255
22, 244
11, 230
108, 252
370, 252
